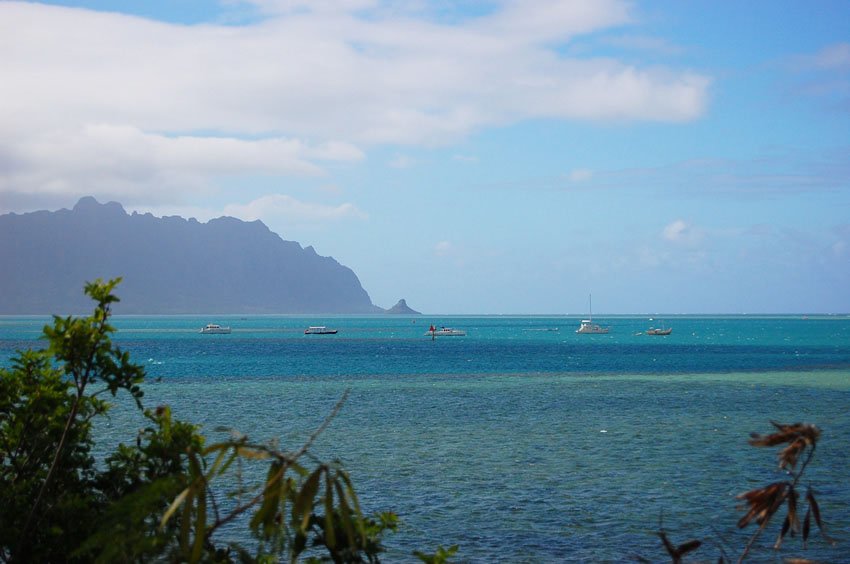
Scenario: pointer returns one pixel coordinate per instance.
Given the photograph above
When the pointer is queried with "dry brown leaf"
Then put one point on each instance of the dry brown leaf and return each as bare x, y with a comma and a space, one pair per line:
763, 503
787, 434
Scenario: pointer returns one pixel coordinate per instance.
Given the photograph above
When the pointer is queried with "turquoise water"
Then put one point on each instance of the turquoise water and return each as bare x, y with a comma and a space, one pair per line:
523, 441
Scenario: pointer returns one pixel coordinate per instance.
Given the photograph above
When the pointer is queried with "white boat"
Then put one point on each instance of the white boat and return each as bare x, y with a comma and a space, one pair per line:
319, 330
445, 332
661, 331
214, 329
587, 326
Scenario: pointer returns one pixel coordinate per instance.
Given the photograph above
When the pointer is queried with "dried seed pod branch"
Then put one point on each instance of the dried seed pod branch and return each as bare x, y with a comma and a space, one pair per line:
761, 504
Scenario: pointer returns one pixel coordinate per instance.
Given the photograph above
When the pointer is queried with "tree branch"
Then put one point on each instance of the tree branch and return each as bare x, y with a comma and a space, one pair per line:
80, 381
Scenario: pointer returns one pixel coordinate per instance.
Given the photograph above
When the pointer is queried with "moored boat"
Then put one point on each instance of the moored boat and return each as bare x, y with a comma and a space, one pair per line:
661, 331
587, 326
215, 329
319, 330
445, 332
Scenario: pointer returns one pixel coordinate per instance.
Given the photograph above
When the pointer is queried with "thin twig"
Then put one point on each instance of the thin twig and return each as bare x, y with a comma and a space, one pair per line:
803, 466
287, 460
212, 499
321, 427
721, 544
752, 541
243, 508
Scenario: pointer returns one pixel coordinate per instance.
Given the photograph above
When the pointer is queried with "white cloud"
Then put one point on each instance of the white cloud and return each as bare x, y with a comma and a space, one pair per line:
107, 158
277, 207
443, 248
824, 75
644, 43
674, 231
314, 73
649, 257
95, 98
290, 6
334, 151
763, 175
556, 19
834, 57
831, 57
580, 175
402, 161
682, 232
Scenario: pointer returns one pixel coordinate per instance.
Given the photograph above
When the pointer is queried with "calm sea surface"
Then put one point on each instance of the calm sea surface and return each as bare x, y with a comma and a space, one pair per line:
523, 441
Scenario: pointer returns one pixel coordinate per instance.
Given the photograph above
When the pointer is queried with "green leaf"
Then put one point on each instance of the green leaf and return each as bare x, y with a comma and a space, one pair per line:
271, 499
303, 508
252, 453
352, 495
173, 507
330, 534
200, 524
186, 523
217, 462
346, 515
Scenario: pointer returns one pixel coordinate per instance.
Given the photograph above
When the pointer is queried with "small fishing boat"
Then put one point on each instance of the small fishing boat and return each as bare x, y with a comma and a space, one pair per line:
319, 330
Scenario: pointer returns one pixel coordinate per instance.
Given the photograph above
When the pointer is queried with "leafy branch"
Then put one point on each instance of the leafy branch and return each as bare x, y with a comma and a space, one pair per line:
801, 440
286, 507
84, 348
762, 504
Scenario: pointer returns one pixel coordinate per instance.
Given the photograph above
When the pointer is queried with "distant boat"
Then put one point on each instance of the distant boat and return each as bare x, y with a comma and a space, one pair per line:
661, 331
319, 330
214, 329
445, 332
588, 327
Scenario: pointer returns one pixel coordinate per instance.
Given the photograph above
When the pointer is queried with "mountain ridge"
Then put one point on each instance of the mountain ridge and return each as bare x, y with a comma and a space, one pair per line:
169, 265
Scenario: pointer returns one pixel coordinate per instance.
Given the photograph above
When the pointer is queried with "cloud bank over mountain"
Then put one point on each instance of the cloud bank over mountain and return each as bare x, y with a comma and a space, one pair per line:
145, 109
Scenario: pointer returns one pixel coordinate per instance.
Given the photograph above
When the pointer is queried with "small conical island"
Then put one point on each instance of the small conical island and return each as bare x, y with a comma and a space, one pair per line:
402, 308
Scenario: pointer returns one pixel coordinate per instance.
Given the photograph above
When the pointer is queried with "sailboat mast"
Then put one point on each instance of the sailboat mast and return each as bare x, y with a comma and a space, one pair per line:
590, 306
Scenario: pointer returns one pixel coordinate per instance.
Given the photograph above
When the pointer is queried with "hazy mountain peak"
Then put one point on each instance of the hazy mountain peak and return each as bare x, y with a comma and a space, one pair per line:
169, 265
87, 204
401, 307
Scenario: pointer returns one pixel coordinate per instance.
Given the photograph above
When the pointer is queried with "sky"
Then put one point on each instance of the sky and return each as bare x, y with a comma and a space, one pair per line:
472, 157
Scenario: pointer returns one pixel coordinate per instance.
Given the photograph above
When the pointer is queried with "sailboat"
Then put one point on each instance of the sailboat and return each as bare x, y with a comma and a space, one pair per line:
587, 325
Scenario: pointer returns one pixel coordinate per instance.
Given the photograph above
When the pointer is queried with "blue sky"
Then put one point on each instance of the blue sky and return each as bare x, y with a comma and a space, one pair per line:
471, 157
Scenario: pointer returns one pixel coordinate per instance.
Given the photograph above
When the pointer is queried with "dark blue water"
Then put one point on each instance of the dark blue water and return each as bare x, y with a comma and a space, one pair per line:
523, 441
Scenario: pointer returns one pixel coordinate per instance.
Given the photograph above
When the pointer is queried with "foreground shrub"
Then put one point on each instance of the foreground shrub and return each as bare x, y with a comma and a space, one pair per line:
160, 497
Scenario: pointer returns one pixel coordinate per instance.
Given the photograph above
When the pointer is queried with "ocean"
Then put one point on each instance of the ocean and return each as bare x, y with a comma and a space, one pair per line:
522, 441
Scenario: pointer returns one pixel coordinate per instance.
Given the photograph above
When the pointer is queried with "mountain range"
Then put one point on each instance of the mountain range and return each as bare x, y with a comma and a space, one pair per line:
169, 265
